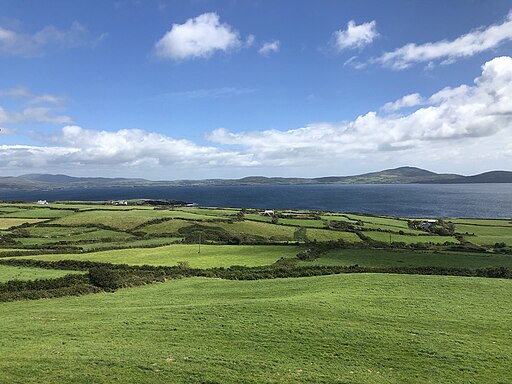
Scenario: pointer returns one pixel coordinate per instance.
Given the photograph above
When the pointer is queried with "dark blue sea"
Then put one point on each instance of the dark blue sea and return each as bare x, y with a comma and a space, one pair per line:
406, 200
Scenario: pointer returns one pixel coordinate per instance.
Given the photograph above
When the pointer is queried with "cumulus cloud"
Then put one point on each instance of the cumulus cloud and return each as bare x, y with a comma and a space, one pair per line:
199, 37
269, 47
75, 146
448, 51
14, 43
411, 100
453, 118
469, 120
355, 36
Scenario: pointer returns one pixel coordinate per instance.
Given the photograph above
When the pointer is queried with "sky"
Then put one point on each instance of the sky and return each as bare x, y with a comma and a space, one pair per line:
225, 89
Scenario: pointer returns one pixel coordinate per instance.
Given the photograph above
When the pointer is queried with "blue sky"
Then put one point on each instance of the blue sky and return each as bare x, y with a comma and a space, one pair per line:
199, 89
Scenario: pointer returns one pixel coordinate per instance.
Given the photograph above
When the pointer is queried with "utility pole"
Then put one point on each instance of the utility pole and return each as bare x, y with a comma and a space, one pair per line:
390, 239
199, 251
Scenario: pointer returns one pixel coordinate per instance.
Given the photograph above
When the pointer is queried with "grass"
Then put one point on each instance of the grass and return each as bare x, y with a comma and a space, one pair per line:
314, 234
486, 235
491, 222
387, 221
388, 258
210, 256
125, 220
6, 223
20, 273
409, 239
155, 242
362, 328
39, 213
95, 235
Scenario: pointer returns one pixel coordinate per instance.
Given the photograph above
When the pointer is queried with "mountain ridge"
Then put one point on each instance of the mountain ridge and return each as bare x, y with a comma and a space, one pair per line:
400, 175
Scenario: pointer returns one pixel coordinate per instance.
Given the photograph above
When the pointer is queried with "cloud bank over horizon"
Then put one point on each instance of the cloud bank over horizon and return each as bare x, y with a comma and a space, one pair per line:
445, 127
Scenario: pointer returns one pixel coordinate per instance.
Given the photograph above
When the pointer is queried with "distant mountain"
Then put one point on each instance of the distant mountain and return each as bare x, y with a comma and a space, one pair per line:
402, 175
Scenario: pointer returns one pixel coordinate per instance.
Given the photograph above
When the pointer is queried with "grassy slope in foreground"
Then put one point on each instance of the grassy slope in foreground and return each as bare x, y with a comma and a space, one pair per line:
210, 256
349, 328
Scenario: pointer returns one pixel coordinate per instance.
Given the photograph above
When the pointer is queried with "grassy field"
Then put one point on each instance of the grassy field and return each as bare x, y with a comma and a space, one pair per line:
6, 223
395, 257
486, 234
332, 329
18, 273
409, 239
210, 256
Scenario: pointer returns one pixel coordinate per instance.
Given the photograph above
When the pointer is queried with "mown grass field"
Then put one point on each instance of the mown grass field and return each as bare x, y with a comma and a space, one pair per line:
331, 329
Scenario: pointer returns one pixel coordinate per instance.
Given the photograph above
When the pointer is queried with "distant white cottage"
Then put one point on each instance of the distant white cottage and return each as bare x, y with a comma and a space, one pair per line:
42, 202
268, 212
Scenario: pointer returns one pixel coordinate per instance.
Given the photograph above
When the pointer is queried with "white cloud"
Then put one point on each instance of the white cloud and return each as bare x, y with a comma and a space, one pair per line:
15, 43
32, 115
199, 37
455, 119
269, 47
407, 101
453, 125
448, 51
30, 97
355, 36
74, 146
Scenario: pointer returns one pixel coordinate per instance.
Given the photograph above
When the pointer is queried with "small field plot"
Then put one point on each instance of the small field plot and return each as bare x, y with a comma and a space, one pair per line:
167, 227
302, 223
39, 213
155, 242
126, 220
409, 239
269, 231
6, 223
210, 256
215, 212
8, 272
320, 235
489, 222
360, 328
391, 258
486, 234
385, 221
97, 235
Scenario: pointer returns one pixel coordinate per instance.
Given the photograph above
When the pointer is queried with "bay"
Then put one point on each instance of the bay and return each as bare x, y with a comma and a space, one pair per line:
404, 200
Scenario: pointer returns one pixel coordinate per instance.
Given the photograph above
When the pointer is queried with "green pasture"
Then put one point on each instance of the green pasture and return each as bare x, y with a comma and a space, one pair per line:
6, 223
409, 239
137, 243
39, 213
485, 234
216, 212
100, 234
396, 257
210, 256
8, 272
361, 328
489, 222
303, 223
386, 221
126, 220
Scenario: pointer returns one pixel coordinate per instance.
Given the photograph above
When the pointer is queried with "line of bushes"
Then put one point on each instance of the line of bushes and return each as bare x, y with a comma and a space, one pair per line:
110, 277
